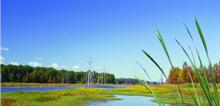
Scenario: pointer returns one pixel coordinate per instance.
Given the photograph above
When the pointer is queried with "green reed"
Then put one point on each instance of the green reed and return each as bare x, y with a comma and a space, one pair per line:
210, 90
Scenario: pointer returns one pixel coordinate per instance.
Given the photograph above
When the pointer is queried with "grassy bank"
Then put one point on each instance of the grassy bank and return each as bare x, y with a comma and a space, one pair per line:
78, 97
81, 97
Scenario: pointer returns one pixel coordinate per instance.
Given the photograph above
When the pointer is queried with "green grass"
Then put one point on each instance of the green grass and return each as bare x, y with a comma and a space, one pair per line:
208, 93
78, 97
81, 97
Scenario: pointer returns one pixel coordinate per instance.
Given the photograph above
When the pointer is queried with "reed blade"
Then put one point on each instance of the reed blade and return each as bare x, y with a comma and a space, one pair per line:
162, 42
143, 69
158, 66
202, 83
201, 35
146, 86
196, 97
199, 57
216, 96
164, 46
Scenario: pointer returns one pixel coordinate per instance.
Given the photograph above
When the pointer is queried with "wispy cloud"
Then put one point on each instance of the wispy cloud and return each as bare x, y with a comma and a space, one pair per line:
54, 65
4, 49
2, 59
76, 67
14, 63
59, 67
34, 64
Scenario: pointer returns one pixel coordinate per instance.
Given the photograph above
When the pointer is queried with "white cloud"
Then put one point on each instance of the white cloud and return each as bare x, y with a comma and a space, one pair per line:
59, 67
2, 59
76, 67
54, 65
14, 63
34, 64
4, 49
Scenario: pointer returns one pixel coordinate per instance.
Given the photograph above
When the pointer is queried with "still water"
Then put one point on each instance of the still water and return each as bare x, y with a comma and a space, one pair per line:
127, 101
45, 89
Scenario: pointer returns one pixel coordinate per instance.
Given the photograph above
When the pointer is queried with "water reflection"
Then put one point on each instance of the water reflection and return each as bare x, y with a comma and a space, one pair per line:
127, 101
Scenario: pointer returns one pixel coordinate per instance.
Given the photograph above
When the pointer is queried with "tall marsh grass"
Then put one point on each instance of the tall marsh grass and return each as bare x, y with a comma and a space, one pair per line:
209, 90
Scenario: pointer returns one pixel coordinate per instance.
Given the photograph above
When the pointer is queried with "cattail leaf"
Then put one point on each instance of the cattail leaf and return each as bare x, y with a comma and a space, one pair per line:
158, 66
216, 95
202, 82
198, 55
164, 46
146, 86
143, 69
201, 35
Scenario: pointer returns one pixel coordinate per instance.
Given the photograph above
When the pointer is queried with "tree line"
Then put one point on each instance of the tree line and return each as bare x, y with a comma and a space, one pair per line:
182, 75
127, 81
134, 81
28, 74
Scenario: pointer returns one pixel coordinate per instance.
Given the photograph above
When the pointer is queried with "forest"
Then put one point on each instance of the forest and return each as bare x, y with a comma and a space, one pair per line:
182, 75
28, 74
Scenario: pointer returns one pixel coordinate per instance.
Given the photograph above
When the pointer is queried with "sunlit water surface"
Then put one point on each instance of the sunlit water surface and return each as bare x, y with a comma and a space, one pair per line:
127, 101
45, 89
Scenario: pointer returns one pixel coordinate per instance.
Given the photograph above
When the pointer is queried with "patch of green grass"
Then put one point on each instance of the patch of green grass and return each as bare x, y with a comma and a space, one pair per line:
48, 98
81, 97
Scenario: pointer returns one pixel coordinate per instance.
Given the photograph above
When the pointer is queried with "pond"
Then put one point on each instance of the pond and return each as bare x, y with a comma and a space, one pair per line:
127, 101
45, 89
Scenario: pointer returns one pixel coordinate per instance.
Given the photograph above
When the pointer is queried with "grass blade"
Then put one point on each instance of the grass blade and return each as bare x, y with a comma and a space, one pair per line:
202, 83
196, 99
200, 60
146, 86
143, 69
194, 60
216, 96
201, 35
164, 46
180, 94
158, 66
168, 56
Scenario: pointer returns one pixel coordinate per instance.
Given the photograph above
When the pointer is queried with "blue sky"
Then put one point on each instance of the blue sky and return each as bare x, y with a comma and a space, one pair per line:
66, 33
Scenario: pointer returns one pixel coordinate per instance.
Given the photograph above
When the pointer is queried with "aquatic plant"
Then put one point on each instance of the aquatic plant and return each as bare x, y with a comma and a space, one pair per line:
210, 90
